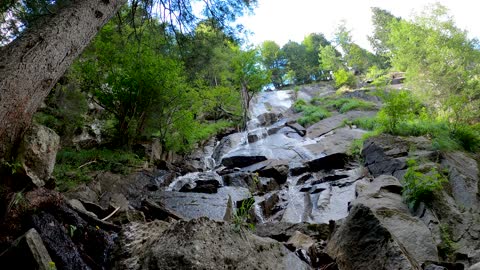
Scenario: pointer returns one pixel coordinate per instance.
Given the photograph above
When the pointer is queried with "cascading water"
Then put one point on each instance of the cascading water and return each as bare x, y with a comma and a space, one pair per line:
268, 136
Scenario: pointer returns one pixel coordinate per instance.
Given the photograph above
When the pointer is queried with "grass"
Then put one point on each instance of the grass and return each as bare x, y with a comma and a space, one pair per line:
344, 105
74, 167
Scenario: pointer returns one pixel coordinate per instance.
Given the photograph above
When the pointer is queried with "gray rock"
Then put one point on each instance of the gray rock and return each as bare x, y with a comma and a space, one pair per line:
337, 141
463, 177
326, 125
274, 168
475, 267
27, 252
202, 182
362, 242
241, 161
300, 241
297, 127
37, 153
135, 240
215, 245
225, 145
268, 118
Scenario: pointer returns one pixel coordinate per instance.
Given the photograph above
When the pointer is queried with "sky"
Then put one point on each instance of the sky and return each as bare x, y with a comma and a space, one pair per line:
284, 20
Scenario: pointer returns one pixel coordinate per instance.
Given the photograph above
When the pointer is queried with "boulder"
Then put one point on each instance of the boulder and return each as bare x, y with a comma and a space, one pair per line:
274, 168
297, 127
225, 145
300, 241
201, 182
328, 162
241, 161
328, 124
37, 153
267, 119
209, 245
282, 231
362, 242
27, 252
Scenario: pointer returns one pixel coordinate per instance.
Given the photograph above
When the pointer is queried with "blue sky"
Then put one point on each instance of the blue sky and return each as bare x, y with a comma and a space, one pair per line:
283, 20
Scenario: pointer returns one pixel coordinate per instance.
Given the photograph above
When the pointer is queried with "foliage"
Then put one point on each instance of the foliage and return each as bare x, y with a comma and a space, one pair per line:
343, 77
74, 166
344, 105
329, 58
398, 106
242, 215
441, 63
382, 21
447, 247
311, 114
419, 187
273, 58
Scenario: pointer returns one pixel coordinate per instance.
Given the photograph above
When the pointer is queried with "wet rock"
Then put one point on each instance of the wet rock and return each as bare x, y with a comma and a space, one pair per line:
194, 205
297, 127
362, 242
384, 154
215, 245
63, 251
463, 177
201, 182
274, 168
268, 118
27, 252
300, 241
78, 206
241, 161
225, 145
337, 141
475, 267
37, 153
269, 205
239, 179
329, 162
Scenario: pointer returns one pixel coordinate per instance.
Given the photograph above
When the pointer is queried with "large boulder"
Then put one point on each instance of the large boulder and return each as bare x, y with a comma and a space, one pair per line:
328, 124
201, 182
226, 144
37, 153
381, 231
267, 119
206, 244
241, 161
362, 242
274, 168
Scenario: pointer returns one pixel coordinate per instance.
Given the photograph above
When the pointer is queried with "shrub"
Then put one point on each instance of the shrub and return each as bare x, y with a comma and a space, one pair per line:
74, 167
399, 105
419, 187
312, 114
344, 78
242, 215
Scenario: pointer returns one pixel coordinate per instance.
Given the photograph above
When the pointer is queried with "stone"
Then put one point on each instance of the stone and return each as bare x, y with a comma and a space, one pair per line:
266, 119
297, 127
241, 161
463, 177
328, 162
362, 242
274, 168
328, 124
157, 210
475, 267
27, 252
78, 206
225, 145
135, 240
212, 245
37, 153
300, 241
200, 182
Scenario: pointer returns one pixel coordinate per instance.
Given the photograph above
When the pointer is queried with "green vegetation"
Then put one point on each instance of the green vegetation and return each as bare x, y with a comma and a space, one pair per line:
310, 113
242, 216
344, 78
75, 166
447, 247
343, 105
420, 187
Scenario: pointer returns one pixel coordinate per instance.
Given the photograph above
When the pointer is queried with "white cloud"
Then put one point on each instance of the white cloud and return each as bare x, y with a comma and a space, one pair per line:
284, 20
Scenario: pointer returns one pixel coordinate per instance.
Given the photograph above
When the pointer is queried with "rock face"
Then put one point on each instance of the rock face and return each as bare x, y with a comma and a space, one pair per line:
37, 153
206, 244
268, 118
274, 168
203, 182
381, 231
241, 161
363, 243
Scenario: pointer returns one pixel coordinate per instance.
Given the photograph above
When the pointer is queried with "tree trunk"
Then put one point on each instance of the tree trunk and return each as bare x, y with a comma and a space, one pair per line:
31, 65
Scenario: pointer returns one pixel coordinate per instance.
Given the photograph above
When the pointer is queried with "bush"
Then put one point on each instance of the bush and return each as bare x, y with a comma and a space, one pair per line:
399, 105
312, 114
419, 187
74, 167
344, 78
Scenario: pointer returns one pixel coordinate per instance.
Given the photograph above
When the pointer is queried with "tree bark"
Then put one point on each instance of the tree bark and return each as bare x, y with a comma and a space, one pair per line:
31, 65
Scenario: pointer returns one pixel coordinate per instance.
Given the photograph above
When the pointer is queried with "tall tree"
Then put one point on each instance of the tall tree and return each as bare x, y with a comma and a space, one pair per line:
312, 43
382, 21
32, 64
296, 55
274, 61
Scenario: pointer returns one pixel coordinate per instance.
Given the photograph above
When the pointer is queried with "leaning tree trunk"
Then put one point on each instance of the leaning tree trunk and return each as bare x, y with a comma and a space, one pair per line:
32, 64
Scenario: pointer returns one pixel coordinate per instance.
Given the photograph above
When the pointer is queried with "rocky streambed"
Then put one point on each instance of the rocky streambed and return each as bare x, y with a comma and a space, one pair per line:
315, 207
